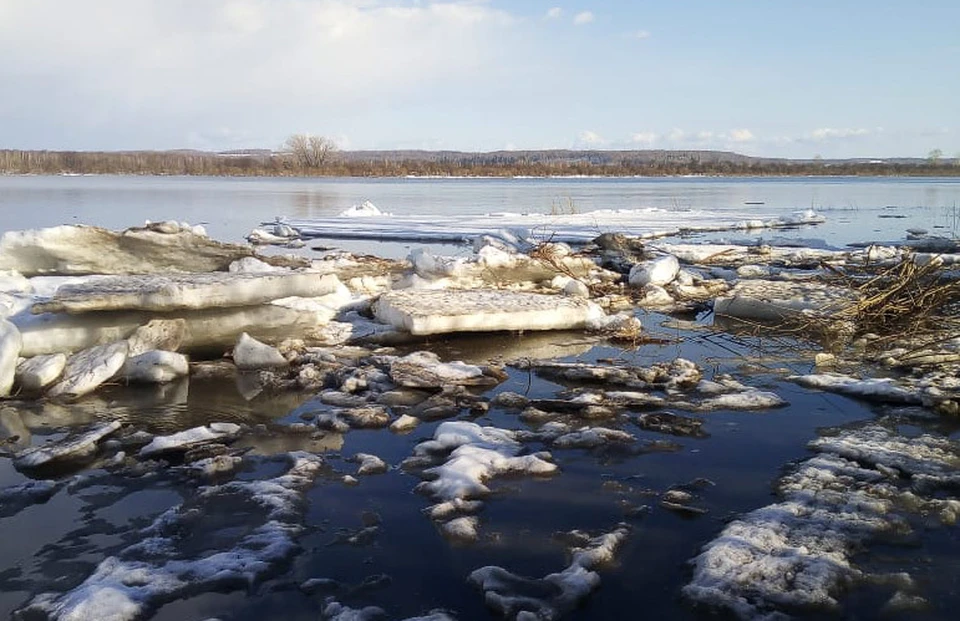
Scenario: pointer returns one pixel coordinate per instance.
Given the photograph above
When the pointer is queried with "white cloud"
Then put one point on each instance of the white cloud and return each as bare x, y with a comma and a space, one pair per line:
641, 34
643, 138
676, 135
591, 138
830, 133
741, 135
583, 17
157, 73
554, 13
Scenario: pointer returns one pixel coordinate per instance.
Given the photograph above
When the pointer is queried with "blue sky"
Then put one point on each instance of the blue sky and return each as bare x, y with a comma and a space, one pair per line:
795, 79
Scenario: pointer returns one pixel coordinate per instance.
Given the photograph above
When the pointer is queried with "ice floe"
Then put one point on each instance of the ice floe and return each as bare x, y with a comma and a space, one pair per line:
249, 353
475, 455
798, 554
551, 597
92, 250
441, 312
423, 369
186, 291
11, 343
190, 438
88, 369
570, 228
155, 367
167, 563
775, 301
75, 448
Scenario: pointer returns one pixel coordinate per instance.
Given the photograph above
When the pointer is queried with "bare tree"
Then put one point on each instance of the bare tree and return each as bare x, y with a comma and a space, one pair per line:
309, 151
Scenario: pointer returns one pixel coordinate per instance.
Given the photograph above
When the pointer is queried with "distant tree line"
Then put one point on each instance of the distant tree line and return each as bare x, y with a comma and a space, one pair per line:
305, 155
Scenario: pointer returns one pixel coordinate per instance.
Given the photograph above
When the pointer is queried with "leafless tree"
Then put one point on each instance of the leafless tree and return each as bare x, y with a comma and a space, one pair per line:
309, 151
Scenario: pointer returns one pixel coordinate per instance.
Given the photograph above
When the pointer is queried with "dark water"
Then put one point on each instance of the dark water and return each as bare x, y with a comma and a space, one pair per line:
55, 545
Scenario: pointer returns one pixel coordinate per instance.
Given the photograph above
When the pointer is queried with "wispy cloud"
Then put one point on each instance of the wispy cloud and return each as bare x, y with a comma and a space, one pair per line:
554, 13
831, 133
741, 135
583, 17
643, 138
641, 34
590, 138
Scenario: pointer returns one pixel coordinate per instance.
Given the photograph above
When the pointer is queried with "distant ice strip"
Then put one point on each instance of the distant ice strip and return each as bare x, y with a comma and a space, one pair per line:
570, 228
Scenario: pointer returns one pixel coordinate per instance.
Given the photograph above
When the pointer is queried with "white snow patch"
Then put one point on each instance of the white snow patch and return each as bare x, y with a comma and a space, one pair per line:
366, 209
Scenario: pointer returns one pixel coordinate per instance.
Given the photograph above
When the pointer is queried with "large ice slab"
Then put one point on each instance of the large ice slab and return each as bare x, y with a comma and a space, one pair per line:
88, 369
73, 448
209, 329
94, 250
572, 228
11, 343
186, 291
483, 310
773, 301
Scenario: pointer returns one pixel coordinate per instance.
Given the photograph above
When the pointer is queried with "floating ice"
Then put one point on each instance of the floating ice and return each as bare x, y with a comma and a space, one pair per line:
477, 454
659, 272
73, 448
15, 498
164, 566
876, 388
87, 370
569, 228
155, 367
484, 310
215, 328
189, 438
774, 301
186, 291
11, 344
797, 554
370, 464
250, 354
423, 369
93, 250
35, 374
554, 595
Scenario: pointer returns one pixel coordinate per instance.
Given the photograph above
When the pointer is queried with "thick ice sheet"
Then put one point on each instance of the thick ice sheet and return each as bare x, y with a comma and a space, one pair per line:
186, 291
483, 310
773, 301
571, 228
93, 250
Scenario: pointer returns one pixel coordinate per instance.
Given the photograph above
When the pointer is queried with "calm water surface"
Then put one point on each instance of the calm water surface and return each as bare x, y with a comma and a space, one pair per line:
878, 207
54, 546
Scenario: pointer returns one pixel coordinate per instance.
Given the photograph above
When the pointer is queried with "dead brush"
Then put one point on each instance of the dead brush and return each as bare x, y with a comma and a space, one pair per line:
907, 300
